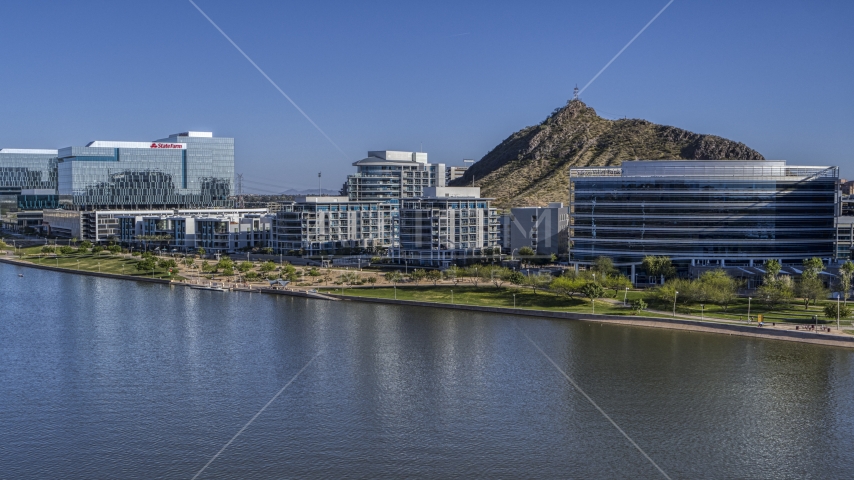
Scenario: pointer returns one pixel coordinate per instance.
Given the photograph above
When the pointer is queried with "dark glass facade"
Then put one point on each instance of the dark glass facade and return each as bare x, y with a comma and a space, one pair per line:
703, 211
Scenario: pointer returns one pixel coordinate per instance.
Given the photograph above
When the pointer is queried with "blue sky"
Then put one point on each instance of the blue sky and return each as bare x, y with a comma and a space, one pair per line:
458, 76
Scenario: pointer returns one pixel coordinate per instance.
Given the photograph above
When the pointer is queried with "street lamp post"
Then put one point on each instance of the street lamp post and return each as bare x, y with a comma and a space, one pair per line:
837, 311
514, 300
99, 267
748, 309
593, 302
675, 294
702, 311
452, 297
625, 296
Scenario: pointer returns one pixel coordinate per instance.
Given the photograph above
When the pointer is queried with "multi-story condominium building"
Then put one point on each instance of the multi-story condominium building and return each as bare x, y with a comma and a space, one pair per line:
388, 176
453, 173
182, 229
445, 225
315, 225
543, 229
213, 230
185, 170
722, 213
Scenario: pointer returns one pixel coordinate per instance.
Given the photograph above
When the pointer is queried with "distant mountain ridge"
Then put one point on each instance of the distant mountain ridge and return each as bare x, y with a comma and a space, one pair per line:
531, 166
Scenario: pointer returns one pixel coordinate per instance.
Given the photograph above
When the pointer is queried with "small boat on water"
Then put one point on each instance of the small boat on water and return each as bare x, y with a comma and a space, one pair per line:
20, 274
211, 287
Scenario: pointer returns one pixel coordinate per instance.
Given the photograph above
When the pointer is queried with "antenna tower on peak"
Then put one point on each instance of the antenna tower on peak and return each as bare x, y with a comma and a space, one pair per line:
240, 190
575, 92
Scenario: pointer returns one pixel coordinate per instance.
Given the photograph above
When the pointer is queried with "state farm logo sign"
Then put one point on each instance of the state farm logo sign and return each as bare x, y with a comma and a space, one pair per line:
167, 145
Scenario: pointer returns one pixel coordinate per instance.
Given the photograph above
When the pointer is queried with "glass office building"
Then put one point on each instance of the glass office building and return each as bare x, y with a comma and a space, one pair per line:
724, 213
27, 169
185, 170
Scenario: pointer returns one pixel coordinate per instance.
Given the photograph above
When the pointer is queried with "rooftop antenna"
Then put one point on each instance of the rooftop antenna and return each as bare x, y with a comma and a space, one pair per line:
469, 162
240, 190
319, 185
575, 92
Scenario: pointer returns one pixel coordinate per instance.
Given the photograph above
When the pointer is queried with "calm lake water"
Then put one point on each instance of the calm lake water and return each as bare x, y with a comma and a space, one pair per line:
105, 378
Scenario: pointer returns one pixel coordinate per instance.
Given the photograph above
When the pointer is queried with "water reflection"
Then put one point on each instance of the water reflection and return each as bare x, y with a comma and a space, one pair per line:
104, 378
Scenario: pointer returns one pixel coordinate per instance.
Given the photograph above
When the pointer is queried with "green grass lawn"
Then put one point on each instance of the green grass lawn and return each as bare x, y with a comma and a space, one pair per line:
103, 262
738, 310
487, 296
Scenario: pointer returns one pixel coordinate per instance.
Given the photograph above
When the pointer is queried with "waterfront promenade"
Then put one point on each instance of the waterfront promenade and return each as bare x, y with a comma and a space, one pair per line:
684, 323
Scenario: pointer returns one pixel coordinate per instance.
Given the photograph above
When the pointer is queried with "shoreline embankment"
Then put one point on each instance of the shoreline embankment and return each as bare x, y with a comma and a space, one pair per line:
767, 332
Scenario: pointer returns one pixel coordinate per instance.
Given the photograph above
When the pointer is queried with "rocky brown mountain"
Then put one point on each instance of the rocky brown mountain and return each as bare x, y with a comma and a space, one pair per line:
531, 167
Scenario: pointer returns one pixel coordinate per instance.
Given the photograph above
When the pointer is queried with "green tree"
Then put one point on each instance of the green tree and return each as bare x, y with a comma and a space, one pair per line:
592, 290
567, 286
202, 252
516, 278
244, 267
66, 250
86, 244
313, 272
810, 288
472, 274
616, 282
539, 281
526, 254
604, 266
846, 271
268, 266
830, 311
453, 273
189, 262
776, 293
251, 276
418, 275
658, 267
638, 306
372, 279
393, 277
665, 294
48, 249
434, 276
165, 263
229, 270
146, 264
97, 249
813, 266
289, 273
772, 269
225, 263
719, 287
